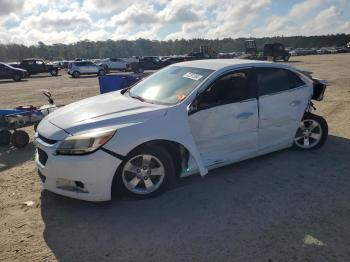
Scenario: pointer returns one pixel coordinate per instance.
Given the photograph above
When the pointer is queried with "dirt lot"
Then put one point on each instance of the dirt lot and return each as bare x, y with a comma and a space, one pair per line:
286, 206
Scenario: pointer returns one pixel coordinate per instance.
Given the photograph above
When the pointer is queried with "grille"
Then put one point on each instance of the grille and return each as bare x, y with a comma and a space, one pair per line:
42, 156
46, 140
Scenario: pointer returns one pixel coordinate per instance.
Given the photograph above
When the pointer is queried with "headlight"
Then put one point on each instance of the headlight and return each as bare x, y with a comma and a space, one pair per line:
85, 143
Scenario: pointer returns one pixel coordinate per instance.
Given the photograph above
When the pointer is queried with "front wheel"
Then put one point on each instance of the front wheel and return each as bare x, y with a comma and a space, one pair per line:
146, 172
76, 74
312, 132
54, 72
17, 78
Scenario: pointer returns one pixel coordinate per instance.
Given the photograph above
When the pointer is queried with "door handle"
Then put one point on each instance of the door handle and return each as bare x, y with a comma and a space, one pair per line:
245, 115
295, 103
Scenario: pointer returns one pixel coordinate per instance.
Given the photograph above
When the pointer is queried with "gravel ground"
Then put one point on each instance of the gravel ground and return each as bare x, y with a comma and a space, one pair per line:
285, 206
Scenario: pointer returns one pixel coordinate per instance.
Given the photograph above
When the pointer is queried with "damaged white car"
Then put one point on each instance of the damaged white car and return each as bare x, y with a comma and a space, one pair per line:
187, 118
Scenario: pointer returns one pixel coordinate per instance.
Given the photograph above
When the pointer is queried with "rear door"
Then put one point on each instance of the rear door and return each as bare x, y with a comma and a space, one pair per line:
283, 99
224, 119
5, 72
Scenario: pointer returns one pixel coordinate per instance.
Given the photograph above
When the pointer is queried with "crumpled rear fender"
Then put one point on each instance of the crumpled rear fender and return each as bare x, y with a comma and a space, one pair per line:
173, 126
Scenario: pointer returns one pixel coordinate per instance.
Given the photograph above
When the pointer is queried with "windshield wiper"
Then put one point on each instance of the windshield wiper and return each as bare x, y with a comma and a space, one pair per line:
137, 97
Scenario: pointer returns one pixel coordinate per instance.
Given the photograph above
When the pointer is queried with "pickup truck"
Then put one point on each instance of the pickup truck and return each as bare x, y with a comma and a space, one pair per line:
147, 63
36, 66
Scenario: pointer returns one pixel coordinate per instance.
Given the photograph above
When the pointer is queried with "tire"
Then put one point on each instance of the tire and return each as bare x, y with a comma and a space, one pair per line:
17, 78
75, 74
54, 72
35, 126
140, 70
145, 185
20, 139
101, 73
312, 133
5, 137
286, 58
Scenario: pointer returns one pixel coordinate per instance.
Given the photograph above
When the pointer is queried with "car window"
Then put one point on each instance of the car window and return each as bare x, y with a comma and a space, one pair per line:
170, 85
2, 67
294, 80
39, 62
272, 80
234, 87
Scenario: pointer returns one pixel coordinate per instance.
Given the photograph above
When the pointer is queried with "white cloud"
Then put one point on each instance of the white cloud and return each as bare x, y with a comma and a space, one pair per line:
73, 20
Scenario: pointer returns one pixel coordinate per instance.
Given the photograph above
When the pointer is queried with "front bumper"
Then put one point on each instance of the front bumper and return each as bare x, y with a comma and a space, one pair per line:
86, 177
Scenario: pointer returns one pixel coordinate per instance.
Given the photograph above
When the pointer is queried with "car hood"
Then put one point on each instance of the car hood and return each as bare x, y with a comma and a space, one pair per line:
107, 110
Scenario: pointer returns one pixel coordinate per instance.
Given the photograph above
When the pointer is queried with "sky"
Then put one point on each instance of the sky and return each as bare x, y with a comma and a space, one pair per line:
69, 21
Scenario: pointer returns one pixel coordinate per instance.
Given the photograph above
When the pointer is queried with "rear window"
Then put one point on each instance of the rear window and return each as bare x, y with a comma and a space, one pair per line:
275, 80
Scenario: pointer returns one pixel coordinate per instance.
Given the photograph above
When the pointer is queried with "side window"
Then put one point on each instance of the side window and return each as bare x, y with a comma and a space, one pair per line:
39, 62
294, 80
2, 68
230, 88
272, 80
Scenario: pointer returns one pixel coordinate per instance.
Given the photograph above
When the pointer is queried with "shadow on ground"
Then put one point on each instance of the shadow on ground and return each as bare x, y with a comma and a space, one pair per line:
11, 156
11, 81
286, 206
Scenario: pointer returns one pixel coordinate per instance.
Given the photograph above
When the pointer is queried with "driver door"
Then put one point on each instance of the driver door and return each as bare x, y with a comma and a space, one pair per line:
224, 119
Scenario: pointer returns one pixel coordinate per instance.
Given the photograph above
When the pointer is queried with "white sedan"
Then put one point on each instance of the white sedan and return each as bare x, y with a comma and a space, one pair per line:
186, 118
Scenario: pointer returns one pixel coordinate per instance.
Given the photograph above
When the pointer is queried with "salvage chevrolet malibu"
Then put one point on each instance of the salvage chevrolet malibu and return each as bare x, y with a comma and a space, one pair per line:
186, 118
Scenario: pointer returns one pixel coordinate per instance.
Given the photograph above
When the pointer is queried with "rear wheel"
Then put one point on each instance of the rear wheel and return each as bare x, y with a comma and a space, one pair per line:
20, 139
146, 172
5, 137
312, 132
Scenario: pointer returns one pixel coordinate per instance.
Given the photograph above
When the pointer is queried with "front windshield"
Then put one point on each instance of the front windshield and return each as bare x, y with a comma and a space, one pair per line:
170, 85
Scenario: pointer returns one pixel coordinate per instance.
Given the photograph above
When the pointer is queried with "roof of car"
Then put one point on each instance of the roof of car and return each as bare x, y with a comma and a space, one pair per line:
217, 64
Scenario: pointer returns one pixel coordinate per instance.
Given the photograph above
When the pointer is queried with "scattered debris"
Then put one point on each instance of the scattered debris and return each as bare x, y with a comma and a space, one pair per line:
28, 203
312, 241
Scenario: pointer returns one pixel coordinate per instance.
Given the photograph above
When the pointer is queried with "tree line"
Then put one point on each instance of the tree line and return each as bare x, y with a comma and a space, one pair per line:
143, 47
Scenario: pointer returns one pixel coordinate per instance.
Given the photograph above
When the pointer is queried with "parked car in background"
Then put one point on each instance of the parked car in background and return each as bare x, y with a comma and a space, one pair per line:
10, 72
75, 69
175, 59
147, 63
36, 66
187, 118
114, 64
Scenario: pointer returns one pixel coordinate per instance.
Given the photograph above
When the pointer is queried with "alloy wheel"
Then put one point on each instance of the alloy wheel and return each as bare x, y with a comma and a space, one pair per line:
143, 174
309, 134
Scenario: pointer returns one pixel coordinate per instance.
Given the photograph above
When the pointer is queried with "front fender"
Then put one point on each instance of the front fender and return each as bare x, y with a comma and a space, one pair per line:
172, 127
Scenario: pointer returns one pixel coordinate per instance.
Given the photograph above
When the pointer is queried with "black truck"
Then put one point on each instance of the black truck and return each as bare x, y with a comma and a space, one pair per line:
274, 51
36, 66
9, 72
147, 63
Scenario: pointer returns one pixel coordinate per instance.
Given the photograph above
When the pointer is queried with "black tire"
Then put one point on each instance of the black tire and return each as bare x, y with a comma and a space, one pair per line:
75, 74
20, 139
286, 58
36, 126
5, 137
101, 73
169, 175
54, 72
17, 78
140, 70
323, 126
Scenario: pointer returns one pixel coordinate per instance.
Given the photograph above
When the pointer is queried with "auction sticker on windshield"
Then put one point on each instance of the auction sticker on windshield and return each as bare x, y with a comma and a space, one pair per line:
193, 76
